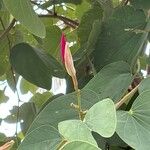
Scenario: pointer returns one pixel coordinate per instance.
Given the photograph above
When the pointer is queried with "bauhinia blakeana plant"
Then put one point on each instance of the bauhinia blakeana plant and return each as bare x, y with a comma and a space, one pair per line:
108, 108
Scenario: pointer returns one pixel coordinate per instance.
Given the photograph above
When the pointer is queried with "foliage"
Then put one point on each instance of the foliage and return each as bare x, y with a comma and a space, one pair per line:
109, 108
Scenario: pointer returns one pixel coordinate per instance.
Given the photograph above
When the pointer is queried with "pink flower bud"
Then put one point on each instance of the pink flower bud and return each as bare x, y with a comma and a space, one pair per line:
68, 60
69, 65
63, 43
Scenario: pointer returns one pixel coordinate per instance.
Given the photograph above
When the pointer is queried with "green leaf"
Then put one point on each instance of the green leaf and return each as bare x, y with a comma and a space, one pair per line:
51, 43
40, 99
34, 65
140, 4
26, 16
85, 26
93, 36
3, 97
107, 6
59, 109
76, 130
43, 138
27, 114
26, 86
134, 125
89, 46
119, 39
113, 77
21, 34
144, 85
82, 8
101, 118
79, 145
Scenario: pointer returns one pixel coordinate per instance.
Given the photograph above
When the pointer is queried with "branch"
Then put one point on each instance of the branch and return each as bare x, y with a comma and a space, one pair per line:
127, 97
6, 31
52, 14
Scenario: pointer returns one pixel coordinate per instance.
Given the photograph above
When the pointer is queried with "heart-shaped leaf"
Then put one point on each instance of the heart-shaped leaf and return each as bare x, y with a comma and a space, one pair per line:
112, 81
101, 118
76, 130
119, 39
60, 110
134, 125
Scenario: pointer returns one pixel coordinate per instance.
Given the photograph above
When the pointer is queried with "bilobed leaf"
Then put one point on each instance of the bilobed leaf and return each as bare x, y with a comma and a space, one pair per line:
42, 138
60, 110
118, 39
34, 65
113, 77
134, 125
26, 16
76, 130
78, 145
101, 118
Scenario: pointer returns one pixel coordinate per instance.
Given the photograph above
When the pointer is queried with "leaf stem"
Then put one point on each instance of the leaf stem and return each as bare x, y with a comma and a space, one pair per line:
127, 97
63, 142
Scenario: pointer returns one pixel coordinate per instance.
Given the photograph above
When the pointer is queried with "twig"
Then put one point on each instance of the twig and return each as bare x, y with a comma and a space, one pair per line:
6, 31
127, 97
54, 14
